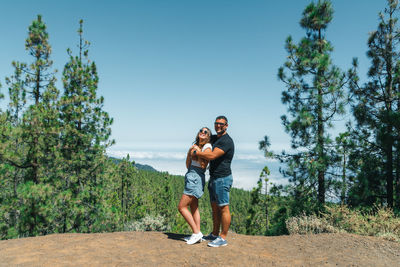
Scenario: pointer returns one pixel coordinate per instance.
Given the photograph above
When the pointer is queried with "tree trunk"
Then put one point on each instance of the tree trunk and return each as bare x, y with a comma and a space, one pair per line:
321, 171
389, 169
266, 207
344, 185
389, 127
320, 140
397, 181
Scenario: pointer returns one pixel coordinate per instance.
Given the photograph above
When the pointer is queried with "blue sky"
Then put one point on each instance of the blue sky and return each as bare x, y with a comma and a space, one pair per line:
169, 67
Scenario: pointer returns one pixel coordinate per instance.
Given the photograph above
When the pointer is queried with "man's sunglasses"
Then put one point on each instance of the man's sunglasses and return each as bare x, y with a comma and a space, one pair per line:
203, 131
219, 123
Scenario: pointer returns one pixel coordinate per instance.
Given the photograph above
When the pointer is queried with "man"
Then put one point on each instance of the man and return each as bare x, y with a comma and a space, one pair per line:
220, 181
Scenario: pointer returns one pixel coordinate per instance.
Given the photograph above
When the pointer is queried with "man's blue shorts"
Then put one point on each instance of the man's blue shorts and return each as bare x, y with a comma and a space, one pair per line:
194, 182
219, 189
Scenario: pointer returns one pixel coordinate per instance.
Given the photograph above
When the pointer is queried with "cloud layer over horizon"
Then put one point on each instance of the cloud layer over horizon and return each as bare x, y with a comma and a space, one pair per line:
246, 165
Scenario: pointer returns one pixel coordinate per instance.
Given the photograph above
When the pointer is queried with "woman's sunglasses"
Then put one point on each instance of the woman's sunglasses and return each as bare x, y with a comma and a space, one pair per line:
203, 131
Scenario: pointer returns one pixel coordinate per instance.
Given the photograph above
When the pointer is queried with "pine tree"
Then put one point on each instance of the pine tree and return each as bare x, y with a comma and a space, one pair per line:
126, 174
342, 149
10, 152
258, 219
376, 107
84, 139
32, 130
314, 96
40, 120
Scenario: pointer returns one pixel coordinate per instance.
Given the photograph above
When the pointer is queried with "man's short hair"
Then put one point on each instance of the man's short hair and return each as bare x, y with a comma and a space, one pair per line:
222, 117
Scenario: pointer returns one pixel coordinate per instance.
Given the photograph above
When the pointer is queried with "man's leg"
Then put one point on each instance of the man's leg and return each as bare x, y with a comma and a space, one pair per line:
223, 188
225, 220
216, 216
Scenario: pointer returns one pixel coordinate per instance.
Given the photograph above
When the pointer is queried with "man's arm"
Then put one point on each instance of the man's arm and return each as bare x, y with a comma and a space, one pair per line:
203, 161
188, 158
208, 154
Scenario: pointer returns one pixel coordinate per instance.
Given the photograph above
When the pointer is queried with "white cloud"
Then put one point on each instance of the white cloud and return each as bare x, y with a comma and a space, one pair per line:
246, 166
138, 155
253, 157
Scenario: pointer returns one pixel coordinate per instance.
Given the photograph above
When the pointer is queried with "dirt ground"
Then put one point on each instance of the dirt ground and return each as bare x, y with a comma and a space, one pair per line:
168, 249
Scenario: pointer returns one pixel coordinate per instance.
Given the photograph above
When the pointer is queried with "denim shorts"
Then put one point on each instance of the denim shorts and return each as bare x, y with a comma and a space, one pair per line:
219, 190
194, 182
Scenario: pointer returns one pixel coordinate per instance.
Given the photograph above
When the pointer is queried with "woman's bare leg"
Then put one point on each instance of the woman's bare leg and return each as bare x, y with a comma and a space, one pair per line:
187, 215
194, 208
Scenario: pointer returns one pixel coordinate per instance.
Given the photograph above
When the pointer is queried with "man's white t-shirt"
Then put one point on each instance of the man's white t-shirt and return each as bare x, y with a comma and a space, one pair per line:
195, 162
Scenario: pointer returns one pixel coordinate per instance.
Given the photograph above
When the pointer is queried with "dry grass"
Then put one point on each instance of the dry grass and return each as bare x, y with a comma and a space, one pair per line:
382, 223
148, 223
309, 224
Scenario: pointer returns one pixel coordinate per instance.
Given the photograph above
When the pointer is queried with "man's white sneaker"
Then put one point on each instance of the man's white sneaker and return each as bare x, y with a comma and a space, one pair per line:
218, 242
195, 238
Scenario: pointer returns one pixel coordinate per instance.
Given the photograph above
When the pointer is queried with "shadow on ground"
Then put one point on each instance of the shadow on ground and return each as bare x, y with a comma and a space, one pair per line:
174, 236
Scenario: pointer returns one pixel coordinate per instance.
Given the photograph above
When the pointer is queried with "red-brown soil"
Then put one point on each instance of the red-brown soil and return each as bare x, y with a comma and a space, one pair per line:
168, 249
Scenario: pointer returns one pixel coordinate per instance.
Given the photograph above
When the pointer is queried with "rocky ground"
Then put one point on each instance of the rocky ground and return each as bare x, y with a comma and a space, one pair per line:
168, 249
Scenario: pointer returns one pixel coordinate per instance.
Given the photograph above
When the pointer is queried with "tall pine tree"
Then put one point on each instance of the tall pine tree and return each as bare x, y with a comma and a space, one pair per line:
376, 110
33, 131
86, 129
314, 95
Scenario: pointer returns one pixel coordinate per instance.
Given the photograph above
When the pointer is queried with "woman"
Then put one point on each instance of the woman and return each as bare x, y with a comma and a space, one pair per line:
194, 185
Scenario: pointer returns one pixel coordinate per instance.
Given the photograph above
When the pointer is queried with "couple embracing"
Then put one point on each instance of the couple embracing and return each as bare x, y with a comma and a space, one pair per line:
216, 150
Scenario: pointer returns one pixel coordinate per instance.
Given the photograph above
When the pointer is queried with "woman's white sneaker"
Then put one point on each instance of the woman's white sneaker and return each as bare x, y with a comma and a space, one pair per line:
194, 238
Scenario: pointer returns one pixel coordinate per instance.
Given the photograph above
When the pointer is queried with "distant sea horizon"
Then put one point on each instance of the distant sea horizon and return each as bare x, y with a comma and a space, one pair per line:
247, 165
